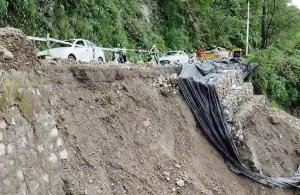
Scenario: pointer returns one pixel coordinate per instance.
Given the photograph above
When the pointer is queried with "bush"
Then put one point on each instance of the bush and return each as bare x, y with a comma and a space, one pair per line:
278, 76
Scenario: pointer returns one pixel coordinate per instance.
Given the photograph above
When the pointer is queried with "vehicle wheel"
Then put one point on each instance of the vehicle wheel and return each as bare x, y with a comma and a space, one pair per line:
72, 58
100, 60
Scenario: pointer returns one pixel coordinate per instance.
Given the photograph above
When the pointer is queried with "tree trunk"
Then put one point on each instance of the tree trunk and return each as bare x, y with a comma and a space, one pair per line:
263, 27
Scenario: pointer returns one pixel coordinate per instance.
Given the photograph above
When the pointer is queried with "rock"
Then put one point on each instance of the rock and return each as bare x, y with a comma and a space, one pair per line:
59, 142
52, 158
274, 120
5, 54
180, 182
166, 173
168, 178
54, 132
2, 149
2, 124
13, 123
177, 166
10, 148
146, 123
33, 185
228, 115
1, 136
45, 178
20, 175
63, 155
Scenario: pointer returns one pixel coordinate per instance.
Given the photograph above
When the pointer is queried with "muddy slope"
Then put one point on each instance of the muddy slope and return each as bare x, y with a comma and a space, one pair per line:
126, 137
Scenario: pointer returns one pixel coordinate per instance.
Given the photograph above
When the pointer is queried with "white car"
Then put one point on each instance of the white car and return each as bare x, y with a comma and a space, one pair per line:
221, 52
173, 57
74, 49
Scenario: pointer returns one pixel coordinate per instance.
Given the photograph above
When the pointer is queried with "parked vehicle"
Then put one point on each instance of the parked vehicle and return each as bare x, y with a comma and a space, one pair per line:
221, 52
173, 57
77, 49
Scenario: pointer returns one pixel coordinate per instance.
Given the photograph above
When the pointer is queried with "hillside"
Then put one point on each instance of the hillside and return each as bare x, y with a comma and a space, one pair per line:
70, 128
177, 25
173, 24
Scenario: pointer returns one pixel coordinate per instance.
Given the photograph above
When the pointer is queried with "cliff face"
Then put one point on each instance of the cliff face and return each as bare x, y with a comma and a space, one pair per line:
89, 129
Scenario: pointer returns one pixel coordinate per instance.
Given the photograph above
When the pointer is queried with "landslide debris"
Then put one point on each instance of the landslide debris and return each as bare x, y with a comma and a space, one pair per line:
92, 129
20, 52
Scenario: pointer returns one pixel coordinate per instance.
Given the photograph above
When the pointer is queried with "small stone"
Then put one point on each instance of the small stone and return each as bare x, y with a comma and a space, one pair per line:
2, 149
280, 136
146, 123
33, 186
173, 189
13, 121
45, 124
10, 148
40, 148
59, 142
3, 124
178, 166
54, 132
166, 173
52, 158
1, 136
38, 92
45, 178
7, 182
180, 182
5, 54
20, 175
168, 178
11, 163
91, 181
274, 120
22, 142
63, 155
22, 190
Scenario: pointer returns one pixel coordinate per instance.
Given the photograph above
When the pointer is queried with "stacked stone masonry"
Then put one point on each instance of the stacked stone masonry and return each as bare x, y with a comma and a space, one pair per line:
31, 151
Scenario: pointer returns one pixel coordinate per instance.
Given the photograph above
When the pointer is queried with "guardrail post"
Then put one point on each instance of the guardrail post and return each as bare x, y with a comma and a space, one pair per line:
48, 44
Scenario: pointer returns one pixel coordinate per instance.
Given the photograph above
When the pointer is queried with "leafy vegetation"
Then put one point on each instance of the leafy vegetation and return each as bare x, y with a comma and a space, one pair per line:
278, 76
176, 24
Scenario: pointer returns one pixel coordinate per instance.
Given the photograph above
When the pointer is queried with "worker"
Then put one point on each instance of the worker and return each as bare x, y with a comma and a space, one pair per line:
193, 56
124, 51
200, 52
154, 52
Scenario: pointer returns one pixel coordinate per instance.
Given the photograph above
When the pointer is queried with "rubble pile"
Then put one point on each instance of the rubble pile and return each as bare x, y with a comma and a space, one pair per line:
167, 84
23, 51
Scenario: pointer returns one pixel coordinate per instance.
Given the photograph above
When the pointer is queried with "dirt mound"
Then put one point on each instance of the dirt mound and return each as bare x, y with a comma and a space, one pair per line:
126, 136
273, 140
111, 129
23, 50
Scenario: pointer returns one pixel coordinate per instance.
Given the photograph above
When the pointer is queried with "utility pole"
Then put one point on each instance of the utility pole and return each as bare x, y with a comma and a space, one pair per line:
248, 26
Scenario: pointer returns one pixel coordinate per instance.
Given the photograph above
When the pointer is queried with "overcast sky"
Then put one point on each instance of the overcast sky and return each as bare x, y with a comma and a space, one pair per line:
296, 3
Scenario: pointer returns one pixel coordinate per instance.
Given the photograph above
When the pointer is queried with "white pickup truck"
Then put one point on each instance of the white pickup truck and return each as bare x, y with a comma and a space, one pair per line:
74, 49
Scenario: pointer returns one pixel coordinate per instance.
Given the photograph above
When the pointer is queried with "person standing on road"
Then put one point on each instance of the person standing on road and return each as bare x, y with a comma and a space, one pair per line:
154, 52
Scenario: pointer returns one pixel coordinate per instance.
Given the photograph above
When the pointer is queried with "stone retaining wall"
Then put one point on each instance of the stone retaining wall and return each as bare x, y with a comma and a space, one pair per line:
31, 149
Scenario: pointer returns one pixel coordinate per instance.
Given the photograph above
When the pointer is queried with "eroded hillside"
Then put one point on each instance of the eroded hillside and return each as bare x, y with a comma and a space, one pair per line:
90, 129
